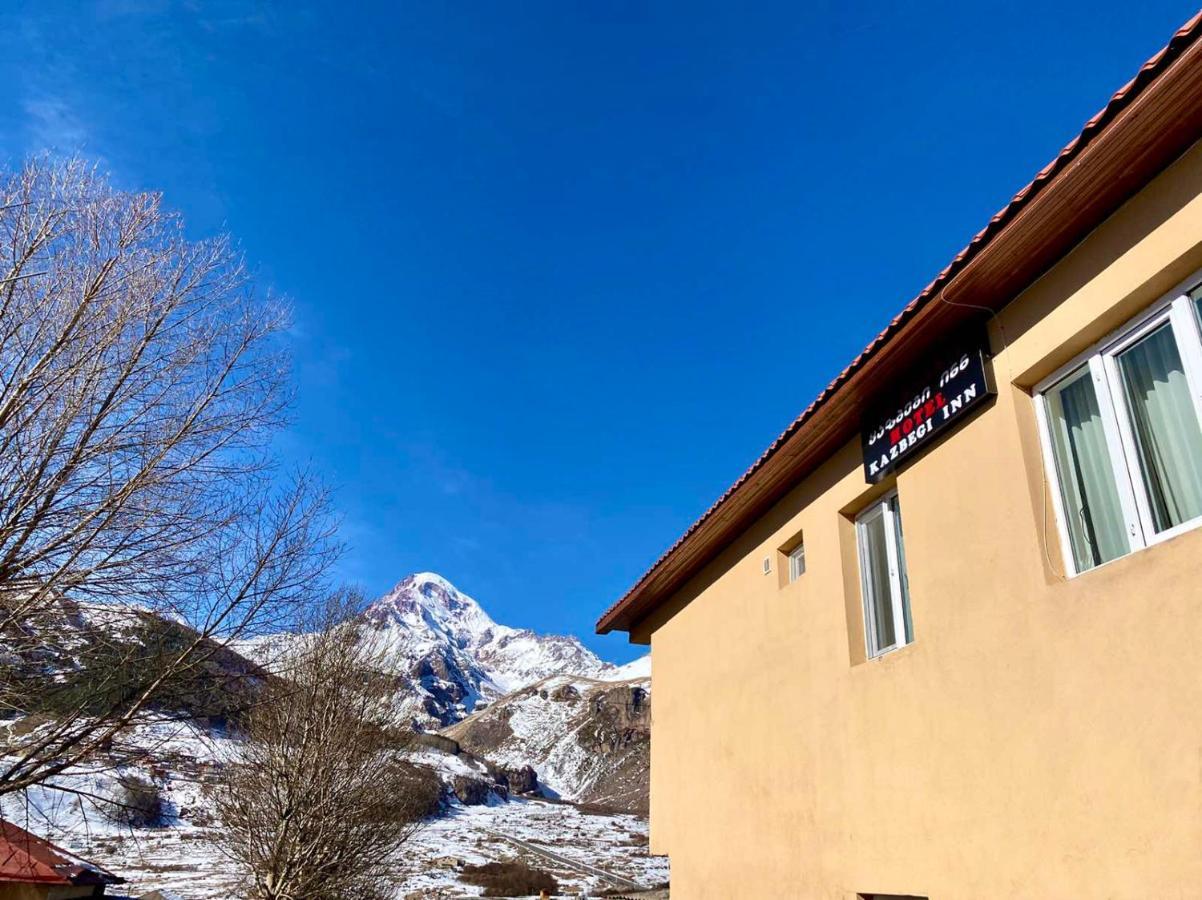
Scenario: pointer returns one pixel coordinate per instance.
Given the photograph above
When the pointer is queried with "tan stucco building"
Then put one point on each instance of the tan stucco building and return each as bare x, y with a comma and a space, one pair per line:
977, 676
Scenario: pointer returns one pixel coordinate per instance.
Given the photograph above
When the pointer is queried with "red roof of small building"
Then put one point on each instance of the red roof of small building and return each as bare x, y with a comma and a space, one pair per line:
28, 859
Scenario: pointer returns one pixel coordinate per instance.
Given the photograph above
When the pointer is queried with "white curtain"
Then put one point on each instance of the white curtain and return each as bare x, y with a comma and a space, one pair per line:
1165, 425
876, 580
1091, 502
895, 508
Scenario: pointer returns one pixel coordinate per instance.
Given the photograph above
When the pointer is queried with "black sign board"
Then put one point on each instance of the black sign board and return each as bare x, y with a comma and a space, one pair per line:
906, 423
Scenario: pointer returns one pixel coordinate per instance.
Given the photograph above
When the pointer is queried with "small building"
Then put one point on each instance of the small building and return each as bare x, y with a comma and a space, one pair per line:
32, 868
941, 639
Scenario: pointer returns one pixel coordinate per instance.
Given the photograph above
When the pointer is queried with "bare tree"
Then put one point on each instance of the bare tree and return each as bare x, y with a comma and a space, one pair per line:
141, 381
321, 798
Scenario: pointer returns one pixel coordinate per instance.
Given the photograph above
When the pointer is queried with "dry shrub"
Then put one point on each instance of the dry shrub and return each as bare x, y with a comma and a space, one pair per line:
137, 802
423, 790
512, 878
321, 800
601, 809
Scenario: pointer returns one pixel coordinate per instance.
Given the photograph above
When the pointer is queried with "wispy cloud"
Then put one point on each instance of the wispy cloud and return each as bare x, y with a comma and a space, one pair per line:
108, 9
265, 19
46, 87
52, 123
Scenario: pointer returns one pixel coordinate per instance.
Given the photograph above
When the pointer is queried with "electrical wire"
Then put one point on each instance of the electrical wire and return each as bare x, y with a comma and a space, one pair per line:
1045, 487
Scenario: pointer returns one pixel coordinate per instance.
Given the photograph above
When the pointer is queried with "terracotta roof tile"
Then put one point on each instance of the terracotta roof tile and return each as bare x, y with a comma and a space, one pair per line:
28, 859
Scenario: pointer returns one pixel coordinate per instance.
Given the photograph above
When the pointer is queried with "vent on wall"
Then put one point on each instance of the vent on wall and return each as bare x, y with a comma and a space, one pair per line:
767, 565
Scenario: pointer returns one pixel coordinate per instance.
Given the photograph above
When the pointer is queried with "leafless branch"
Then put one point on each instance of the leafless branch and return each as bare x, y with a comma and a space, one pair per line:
142, 379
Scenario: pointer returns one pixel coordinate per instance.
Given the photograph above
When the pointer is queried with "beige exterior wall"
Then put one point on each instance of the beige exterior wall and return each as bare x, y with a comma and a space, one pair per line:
43, 892
1041, 738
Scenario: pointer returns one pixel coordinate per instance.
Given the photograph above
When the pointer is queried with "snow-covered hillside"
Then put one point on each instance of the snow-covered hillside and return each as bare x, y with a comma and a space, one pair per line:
177, 858
548, 703
588, 740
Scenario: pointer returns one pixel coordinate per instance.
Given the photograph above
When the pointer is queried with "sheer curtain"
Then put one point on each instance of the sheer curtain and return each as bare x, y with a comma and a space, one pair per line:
876, 580
1165, 425
1091, 503
895, 508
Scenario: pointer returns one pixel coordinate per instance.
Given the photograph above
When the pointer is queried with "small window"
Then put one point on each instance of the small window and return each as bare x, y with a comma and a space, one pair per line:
1123, 437
797, 562
886, 589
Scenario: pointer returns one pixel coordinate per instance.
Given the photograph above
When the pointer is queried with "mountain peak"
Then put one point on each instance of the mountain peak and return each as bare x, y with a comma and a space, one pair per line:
429, 583
428, 601
459, 655
428, 588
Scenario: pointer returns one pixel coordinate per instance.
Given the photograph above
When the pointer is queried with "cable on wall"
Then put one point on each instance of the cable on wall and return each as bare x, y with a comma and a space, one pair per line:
1045, 486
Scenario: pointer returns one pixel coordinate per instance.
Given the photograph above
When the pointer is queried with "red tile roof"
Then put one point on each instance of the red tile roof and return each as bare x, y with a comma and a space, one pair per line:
28, 859
620, 614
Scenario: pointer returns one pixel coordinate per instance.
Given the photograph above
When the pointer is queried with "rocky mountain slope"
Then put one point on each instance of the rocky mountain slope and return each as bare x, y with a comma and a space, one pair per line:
589, 740
452, 657
72, 653
512, 697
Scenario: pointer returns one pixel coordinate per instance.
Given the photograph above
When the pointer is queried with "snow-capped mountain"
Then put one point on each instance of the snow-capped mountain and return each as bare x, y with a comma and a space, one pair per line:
579, 727
456, 657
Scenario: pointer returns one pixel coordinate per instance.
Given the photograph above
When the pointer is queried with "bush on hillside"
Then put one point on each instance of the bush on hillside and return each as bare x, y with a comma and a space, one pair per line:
512, 878
422, 792
137, 802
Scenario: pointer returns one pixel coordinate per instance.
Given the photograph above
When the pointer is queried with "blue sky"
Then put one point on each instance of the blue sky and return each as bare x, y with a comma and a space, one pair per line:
562, 270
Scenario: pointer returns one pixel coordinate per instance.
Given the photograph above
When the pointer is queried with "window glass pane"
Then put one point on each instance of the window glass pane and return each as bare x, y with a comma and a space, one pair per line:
797, 562
900, 546
1087, 489
877, 593
1165, 426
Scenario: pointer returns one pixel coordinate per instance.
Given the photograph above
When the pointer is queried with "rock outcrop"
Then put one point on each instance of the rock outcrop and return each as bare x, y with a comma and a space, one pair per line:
588, 740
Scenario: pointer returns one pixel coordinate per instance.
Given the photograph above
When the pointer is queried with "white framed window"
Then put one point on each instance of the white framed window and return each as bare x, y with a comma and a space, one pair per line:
1122, 434
797, 562
883, 580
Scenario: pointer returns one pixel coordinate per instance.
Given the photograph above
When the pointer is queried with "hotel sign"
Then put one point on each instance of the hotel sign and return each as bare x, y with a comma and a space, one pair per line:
911, 420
